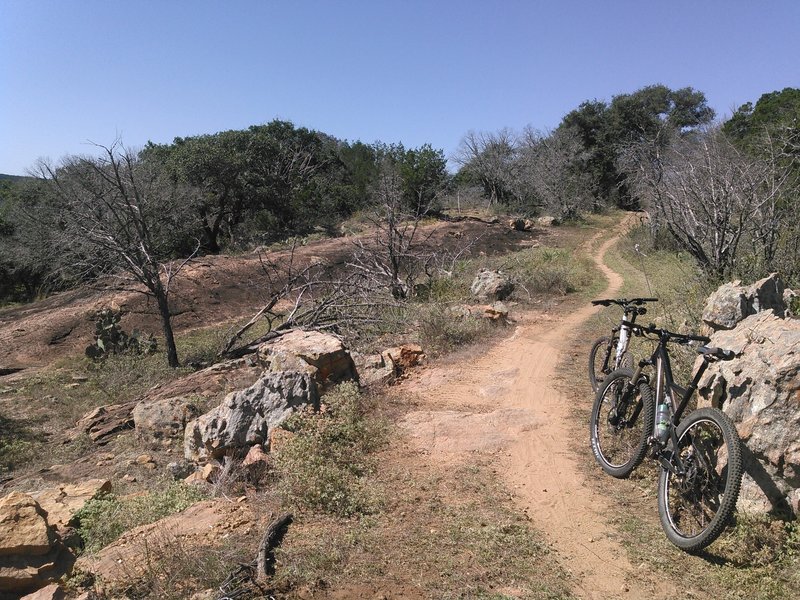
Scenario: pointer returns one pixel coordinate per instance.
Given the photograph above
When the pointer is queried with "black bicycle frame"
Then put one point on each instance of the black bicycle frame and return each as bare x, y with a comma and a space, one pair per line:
665, 383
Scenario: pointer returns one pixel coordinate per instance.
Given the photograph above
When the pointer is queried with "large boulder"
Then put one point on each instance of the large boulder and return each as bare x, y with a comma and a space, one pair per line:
163, 418
491, 286
732, 302
760, 391
23, 526
321, 355
210, 384
246, 417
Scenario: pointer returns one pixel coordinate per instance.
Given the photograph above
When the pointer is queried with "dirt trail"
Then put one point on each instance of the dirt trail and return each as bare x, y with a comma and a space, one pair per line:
507, 403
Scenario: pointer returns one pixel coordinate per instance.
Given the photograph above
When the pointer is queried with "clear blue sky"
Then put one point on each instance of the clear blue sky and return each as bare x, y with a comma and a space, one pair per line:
410, 71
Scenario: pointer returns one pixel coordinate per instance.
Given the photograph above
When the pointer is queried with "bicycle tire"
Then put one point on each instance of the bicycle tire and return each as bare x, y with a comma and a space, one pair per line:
602, 350
621, 423
694, 510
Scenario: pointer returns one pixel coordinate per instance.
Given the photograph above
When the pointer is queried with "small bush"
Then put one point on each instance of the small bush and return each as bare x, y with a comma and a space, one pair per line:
550, 271
442, 329
105, 518
325, 465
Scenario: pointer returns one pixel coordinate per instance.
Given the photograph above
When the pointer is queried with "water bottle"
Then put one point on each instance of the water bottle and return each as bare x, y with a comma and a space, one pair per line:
662, 421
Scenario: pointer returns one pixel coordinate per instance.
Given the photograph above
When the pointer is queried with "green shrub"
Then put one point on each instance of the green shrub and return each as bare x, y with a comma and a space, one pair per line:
105, 518
551, 271
442, 329
326, 464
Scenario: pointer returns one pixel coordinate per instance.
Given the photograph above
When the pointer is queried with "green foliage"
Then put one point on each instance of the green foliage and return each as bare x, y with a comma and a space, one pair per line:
547, 271
325, 465
652, 113
772, 111
757, 541
105, 518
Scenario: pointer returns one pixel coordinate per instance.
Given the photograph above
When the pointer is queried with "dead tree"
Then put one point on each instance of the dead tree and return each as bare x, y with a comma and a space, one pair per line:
117, 216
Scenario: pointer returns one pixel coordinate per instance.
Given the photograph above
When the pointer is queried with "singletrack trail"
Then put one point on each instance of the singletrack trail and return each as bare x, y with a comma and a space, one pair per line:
506, 403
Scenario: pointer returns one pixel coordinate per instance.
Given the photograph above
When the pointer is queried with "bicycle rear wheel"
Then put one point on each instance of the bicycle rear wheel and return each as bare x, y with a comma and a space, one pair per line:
695, 508
601, 360
621, 422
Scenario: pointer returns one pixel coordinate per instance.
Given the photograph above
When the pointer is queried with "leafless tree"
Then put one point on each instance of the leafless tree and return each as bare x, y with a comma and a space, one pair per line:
117, 216
491, 159
394, 256
713, 198
550, 172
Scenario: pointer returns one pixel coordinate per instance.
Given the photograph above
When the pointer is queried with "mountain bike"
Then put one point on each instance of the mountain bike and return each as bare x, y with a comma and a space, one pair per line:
700, 456
611, 353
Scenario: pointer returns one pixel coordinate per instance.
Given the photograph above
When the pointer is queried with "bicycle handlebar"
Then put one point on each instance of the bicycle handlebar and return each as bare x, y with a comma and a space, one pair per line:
623, 301
670, 336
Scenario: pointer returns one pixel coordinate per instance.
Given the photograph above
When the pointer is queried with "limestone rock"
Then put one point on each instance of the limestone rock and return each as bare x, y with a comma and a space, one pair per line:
23, 574
732, 302
23, 526
208, 473
374, 369
491, 285
256, 455
547, 221
245, 418
760, 392
212, 383
520, 224
163, 418
62, 502
321, 355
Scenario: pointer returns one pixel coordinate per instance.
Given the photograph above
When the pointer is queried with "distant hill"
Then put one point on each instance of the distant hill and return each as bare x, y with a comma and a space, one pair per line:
12, 177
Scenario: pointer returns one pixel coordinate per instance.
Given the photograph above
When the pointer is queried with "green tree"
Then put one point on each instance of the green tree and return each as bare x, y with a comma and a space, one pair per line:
778, 110
650, 114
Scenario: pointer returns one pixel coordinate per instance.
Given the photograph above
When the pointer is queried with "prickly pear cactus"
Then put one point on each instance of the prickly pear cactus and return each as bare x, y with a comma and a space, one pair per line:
111, 339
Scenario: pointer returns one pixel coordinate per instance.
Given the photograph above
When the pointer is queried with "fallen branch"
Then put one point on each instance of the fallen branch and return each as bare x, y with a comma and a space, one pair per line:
265, 560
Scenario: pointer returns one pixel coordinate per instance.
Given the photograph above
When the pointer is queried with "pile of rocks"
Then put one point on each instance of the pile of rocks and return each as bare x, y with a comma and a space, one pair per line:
760, 388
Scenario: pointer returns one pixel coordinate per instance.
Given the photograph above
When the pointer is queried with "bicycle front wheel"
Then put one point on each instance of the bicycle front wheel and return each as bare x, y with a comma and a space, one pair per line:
601, 360
695, 506
621, 422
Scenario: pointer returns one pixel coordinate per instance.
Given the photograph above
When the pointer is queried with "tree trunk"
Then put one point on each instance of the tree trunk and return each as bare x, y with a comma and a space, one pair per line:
166, 323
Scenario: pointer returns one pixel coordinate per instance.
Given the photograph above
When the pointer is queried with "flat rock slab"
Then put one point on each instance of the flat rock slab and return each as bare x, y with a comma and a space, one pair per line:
62, 502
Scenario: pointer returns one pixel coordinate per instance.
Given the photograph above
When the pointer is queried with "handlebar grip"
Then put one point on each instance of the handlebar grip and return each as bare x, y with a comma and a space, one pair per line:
697, 338
720, 353
601, 302
642, 300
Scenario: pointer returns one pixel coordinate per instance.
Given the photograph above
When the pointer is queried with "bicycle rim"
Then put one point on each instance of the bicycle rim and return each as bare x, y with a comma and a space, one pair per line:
695, 508
621, 422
